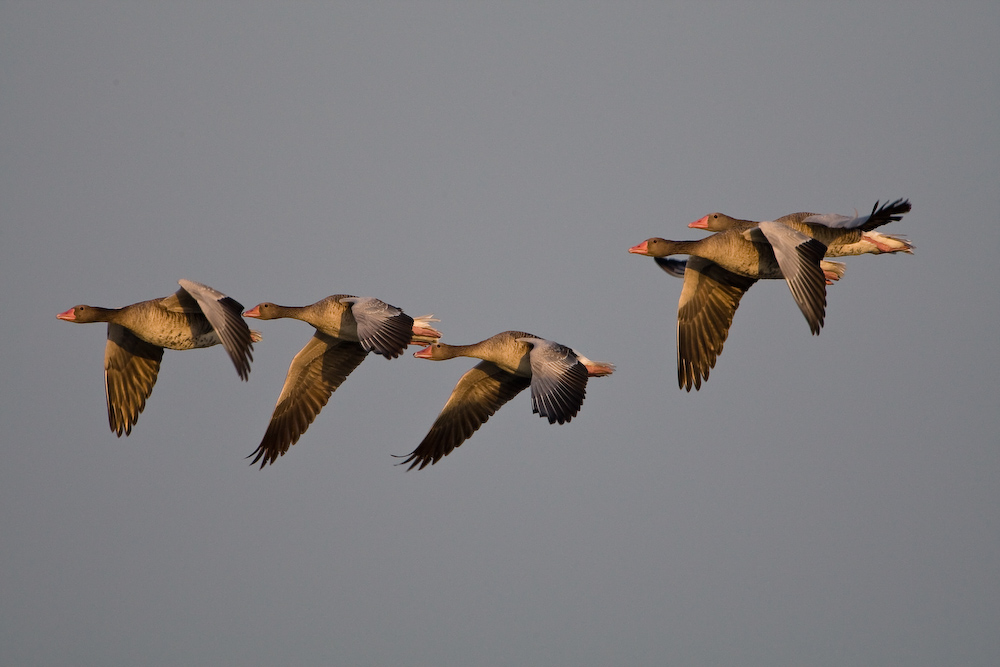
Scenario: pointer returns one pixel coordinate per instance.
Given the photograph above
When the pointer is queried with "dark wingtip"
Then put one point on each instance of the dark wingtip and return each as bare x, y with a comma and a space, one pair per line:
886, 213
259, 455
410, 458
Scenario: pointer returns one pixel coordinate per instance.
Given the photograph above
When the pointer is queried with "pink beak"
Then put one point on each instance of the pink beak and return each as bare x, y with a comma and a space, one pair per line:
701, 223
641, 249
69, 315
424, 353
253, 312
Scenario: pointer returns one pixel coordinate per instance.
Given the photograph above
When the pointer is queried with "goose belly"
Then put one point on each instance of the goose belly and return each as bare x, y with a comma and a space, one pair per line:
764, 266
176, 332
181, 340
191, 342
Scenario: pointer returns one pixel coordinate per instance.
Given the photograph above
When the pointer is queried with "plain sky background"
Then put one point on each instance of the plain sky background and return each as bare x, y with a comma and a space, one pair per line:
830, 500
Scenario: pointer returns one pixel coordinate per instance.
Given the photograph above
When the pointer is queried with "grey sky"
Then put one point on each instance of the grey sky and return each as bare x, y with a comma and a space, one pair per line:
827, 500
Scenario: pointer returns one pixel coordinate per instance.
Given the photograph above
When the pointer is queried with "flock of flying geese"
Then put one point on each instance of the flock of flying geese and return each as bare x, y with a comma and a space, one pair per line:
720, 268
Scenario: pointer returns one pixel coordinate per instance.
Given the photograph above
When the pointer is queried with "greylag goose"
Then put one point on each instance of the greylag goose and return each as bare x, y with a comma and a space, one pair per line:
347, 329
724, 265
511, 362
861, 243
851, 242
194, 316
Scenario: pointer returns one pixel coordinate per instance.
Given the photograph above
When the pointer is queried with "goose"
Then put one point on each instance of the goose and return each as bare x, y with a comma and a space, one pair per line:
194, 316
871, 242
511, 361
852, 242
723, 266
347, 329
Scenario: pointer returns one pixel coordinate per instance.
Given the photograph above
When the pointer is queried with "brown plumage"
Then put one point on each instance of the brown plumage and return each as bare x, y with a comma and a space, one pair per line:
347, 329
724, 265
839, 242
195, 316
511, 362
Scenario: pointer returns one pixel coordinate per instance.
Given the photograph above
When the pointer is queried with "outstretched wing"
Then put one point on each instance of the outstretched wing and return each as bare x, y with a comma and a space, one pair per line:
382, 328
130, 369
315, 373
799, 258
476, 397
890, 212
224, 314
558, 380
673, 267
708, 302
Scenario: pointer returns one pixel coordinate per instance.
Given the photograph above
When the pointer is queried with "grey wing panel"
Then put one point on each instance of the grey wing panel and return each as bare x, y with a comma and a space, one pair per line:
558, 381
225, 314
673, 267
382, 328
799, 258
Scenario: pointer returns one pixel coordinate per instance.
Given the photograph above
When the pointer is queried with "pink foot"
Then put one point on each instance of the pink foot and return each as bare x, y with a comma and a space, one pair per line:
596, 368
426, 331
